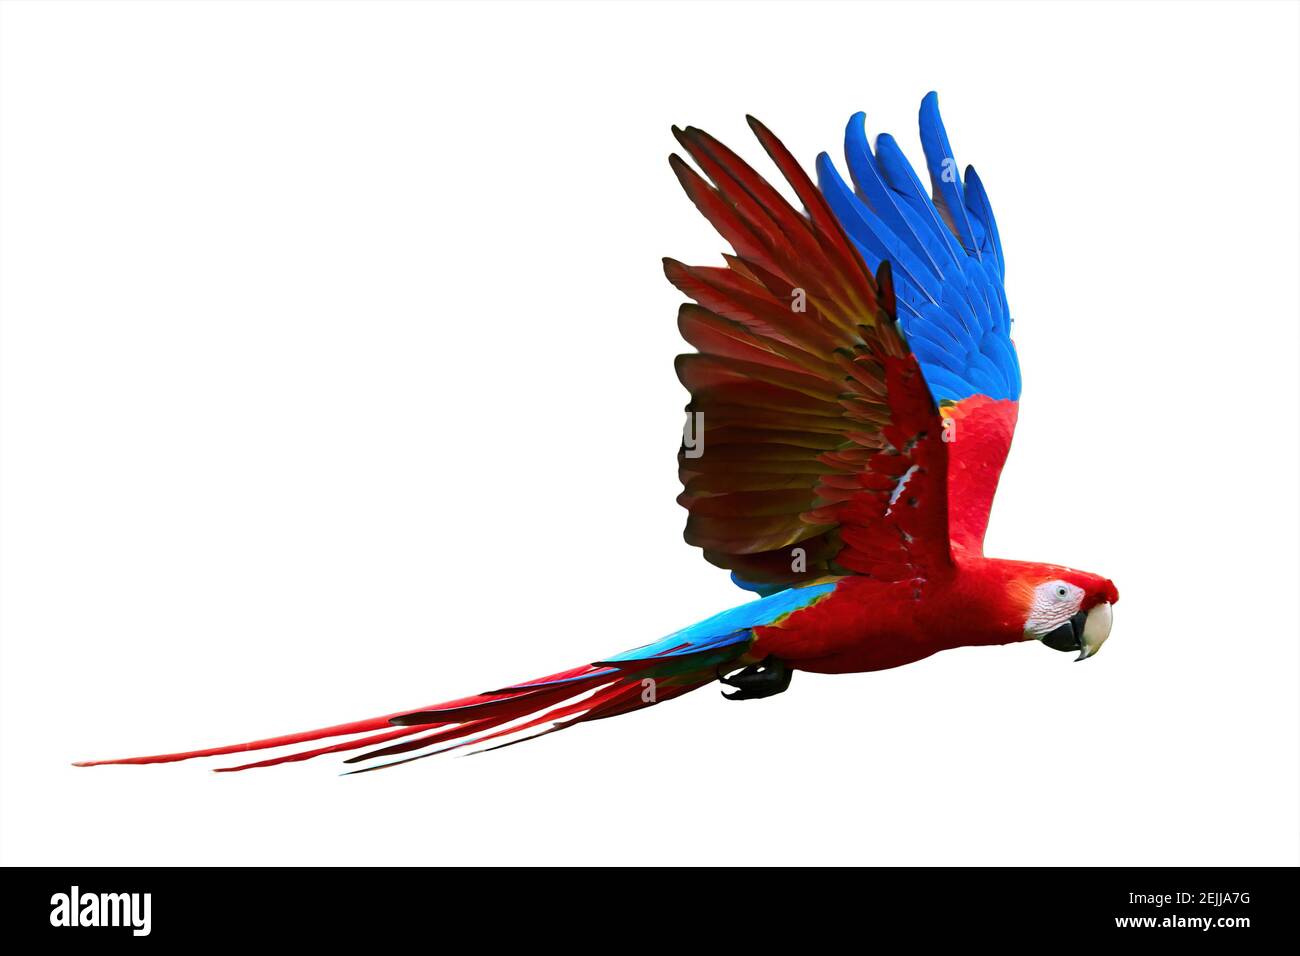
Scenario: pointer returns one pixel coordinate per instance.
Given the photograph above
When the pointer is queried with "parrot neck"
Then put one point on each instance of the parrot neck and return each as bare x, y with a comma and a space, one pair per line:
989, 600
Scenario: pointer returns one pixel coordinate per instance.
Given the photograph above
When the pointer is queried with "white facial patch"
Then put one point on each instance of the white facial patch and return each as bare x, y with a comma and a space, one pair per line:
1055, 602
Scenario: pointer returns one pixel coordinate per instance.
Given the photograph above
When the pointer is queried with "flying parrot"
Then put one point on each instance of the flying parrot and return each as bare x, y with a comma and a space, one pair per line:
853, 394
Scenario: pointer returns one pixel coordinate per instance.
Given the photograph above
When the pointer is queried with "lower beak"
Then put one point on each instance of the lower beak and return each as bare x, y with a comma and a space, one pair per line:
1085, 632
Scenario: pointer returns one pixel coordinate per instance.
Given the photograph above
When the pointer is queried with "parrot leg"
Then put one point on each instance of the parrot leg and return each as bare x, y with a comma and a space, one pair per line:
764, 679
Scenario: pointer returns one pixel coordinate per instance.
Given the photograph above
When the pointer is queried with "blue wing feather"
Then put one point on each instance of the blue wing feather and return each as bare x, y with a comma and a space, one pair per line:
946, 185
916, 205
946, 253
869, 182
977, 201
875, 240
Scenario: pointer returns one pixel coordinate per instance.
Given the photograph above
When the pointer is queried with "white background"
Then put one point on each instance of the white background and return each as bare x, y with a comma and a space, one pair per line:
338, 379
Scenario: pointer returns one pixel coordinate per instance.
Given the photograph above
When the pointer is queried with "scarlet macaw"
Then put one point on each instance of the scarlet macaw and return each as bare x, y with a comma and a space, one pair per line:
854, 393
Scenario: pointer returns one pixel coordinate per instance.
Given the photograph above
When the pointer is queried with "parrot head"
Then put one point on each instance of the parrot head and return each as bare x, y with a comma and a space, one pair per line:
1067, 610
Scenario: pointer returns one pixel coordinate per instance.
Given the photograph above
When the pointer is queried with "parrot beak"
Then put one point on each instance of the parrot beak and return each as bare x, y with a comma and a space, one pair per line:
1096, 628
1085, 632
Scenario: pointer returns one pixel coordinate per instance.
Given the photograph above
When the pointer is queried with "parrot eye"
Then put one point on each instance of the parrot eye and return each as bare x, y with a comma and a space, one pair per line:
1061, 591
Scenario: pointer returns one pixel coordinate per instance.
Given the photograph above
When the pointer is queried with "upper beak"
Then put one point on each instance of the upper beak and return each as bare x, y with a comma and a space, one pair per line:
1085, 632
1095, 630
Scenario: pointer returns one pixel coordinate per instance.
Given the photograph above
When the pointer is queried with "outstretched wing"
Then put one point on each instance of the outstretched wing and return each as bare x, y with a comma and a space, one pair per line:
815, 445
952, 307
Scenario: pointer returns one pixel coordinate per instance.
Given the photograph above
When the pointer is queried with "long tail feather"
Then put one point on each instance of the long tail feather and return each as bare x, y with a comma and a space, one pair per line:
635, 680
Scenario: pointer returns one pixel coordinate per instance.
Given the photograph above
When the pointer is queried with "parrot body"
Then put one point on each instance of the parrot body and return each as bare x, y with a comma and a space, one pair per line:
854, 390
869, 626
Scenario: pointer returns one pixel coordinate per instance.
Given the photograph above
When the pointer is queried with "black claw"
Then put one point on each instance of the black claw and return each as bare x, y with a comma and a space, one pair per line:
765, 679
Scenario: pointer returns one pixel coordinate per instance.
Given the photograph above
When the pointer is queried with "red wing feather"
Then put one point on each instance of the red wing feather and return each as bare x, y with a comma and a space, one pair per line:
820, 446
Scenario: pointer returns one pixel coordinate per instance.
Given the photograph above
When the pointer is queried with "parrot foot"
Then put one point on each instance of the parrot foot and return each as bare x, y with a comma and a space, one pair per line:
764, 679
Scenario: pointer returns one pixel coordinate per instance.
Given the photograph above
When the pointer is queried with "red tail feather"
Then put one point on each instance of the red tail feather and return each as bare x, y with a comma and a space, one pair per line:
563, 699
